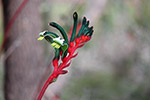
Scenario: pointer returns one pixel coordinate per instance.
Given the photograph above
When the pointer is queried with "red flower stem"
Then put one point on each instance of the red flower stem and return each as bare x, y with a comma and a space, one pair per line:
43, 78
69, 57
43, 90
55, 74
47, 83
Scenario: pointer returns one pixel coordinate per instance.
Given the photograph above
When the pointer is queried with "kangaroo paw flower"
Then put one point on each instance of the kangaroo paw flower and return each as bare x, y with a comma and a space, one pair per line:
65, 47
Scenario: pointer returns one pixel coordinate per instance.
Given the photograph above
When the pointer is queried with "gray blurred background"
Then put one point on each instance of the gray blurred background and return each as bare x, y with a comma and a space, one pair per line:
114, 65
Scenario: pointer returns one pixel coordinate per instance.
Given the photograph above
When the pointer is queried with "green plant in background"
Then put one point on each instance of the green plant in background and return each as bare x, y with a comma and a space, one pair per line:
102, 86
65, 48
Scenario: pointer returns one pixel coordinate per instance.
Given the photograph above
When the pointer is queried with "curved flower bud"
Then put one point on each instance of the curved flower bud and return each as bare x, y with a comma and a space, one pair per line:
75, 17
60, 29
82, 27
54, 40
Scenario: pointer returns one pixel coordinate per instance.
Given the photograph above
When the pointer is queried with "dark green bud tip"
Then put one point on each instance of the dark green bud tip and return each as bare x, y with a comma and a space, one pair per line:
84, 21
75, 16
87, 24
52, 24
91, 33
91, 28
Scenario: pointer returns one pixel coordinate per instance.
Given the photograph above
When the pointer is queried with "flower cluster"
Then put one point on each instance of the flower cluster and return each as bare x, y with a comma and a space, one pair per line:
65, 48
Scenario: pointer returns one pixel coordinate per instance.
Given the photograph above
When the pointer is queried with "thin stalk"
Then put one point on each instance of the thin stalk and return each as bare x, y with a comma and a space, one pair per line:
52, 77
47, 83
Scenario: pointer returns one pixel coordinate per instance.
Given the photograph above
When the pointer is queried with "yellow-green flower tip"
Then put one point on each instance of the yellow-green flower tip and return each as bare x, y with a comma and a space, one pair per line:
40, 38
55, 45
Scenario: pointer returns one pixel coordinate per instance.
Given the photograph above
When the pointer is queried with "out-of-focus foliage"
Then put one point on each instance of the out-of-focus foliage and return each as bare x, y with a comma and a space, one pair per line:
100, 86
115, 65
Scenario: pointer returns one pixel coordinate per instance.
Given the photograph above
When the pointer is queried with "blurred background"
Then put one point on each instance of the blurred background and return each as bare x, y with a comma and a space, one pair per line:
114, 65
